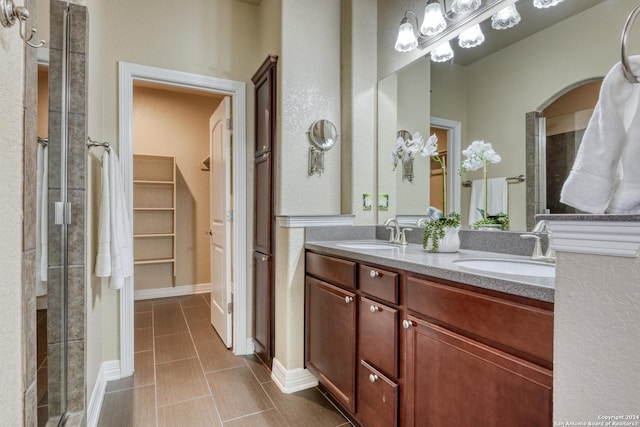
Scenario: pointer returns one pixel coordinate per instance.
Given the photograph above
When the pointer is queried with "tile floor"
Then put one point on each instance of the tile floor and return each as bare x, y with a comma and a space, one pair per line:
184, 376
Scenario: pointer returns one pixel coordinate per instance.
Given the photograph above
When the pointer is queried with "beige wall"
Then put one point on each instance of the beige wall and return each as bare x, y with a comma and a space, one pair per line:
597, 314
11, 140
170, 123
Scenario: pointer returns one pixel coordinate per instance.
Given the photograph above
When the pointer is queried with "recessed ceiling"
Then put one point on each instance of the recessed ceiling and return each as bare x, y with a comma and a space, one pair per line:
533, 20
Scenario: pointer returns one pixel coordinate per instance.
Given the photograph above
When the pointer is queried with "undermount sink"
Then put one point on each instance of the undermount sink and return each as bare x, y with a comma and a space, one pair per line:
366, 245
509, 266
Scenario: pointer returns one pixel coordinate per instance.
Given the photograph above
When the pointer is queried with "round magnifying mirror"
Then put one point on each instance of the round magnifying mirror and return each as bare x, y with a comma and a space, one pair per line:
323, 134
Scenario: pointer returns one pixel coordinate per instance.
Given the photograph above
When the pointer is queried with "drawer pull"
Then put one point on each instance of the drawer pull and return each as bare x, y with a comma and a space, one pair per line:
374, 308
373, 378
407, 324
373, 274
264, 258
348, 299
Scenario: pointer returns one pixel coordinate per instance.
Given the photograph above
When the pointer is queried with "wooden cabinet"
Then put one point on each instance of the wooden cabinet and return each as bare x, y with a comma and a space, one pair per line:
451, 379
264, 208
154, 220
428, 352
331, 338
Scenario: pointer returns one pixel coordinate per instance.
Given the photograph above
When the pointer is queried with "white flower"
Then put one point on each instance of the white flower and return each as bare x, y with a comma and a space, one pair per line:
478, 154
404, 149
431, 147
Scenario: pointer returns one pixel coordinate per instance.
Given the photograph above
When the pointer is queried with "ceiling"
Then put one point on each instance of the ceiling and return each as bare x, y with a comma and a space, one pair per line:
533, 20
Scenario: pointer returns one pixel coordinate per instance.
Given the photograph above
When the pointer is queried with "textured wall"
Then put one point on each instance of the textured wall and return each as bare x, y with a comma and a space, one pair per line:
597, 313
11, 143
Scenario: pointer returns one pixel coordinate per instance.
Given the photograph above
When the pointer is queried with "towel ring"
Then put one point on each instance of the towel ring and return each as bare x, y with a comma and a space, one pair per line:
626, 67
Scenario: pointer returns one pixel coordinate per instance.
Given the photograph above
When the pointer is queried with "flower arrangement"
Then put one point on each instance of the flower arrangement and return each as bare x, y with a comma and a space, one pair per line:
479, 154
434, 229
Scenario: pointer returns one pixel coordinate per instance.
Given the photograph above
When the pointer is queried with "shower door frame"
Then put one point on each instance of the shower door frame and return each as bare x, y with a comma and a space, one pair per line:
128, 73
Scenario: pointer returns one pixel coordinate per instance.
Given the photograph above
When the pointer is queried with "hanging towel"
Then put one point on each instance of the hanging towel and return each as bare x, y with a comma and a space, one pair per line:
115, 239
497, 203
42, 224
605, 176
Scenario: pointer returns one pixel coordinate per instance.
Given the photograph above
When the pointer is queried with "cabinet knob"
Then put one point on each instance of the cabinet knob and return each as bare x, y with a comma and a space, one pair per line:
374, 308
264, 258
348, 299
374, 274
407, 324
373, 378
264, 147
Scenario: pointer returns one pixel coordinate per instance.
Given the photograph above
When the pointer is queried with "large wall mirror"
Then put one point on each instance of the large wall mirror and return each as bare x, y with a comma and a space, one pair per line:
547, 67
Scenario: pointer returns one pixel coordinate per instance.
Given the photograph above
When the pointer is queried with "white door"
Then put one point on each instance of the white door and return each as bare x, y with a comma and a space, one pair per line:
220, 219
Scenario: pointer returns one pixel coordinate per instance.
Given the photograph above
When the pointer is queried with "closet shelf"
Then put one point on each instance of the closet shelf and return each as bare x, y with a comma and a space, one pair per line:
154, 261
154, 209
142, 236
145, 182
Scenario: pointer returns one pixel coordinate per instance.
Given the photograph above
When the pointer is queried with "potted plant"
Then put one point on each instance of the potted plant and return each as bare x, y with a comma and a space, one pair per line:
440, 229
479, 154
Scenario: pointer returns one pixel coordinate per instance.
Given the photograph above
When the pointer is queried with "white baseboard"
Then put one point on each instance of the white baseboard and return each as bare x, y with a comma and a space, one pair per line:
109, 371
176, 291
291, 380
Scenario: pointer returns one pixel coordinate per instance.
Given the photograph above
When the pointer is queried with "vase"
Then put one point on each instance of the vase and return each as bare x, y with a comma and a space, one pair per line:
450, 242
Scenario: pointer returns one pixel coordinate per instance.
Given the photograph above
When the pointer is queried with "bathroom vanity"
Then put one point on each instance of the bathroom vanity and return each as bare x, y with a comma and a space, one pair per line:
400, 337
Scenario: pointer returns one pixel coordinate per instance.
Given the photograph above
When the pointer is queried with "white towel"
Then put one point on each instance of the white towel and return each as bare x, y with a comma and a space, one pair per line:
42, 219
497, 202
115, 239
605, 176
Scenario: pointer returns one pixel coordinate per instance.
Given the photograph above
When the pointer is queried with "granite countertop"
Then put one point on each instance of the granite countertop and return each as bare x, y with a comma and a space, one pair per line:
415, 259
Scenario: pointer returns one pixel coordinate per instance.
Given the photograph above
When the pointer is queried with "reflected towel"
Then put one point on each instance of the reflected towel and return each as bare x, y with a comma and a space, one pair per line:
42, 224
498, 200
605, 176
115, 238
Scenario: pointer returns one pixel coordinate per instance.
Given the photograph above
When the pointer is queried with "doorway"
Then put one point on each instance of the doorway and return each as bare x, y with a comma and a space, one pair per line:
129, 74
450, 132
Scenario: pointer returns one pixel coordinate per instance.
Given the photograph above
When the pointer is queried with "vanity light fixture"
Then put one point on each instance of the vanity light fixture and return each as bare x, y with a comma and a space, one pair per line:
434, 22
505, 18
407, 40
543, 4
464, 6
9, 12
442, 53
471, 38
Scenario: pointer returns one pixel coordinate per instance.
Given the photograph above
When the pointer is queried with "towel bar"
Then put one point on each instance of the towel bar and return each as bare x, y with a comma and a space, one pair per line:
626, 67
511, 180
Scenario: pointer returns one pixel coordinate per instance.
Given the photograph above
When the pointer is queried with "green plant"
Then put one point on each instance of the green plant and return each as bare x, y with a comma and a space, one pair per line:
434, 230
501, 219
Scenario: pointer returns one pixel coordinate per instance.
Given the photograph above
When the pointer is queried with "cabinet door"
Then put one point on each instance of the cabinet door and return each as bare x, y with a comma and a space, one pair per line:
331, 338
378, 336
377, 398
453, 380
263, 305
263, 204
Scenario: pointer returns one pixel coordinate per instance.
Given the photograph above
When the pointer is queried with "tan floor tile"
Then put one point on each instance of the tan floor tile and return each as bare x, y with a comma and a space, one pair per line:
129, 408
165, 300
257, 367
142, 306
214, 356
143, 368
170, 348
142, 320
237, 393
168, 319
191, 300
181, 380
307, 407
270, 418
199, 412
197, 313
142, 339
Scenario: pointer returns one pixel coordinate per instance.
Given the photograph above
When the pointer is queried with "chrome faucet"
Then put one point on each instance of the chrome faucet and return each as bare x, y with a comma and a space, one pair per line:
396, 235
537, 255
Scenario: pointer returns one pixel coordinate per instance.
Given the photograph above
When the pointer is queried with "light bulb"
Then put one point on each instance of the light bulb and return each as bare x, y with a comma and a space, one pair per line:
407, 40
442, 53
543, 4
505, 18
471, 38
433, 22
463, 6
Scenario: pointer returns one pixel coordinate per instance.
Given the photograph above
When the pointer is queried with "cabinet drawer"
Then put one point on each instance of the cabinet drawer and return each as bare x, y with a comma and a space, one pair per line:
333, 270
378, 336
521, 327
379, 283
377, 398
